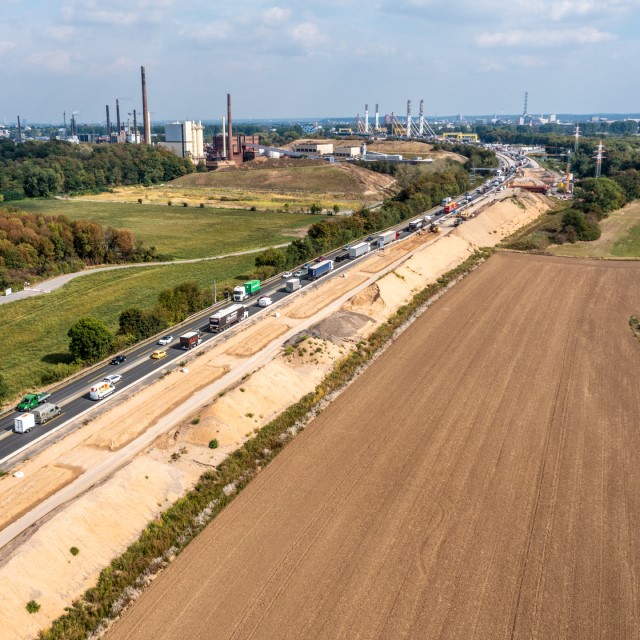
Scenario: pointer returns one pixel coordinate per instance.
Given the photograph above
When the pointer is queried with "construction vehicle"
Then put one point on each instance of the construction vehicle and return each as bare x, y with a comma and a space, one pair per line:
434, 228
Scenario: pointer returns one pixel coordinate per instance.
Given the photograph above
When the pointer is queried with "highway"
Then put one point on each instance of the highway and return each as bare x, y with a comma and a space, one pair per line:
73, 396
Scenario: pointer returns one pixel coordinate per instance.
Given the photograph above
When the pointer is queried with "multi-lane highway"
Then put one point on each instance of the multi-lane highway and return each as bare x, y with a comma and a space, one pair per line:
73, 396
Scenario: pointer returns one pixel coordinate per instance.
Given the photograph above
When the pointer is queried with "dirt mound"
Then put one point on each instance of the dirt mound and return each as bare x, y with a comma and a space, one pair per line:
343, 324
371, 181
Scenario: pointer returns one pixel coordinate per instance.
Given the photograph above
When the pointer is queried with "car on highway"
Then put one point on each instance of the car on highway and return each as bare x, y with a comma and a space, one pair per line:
119, 359
264, 301
113, 379
165, 340
158, 354
341, 257
286, 275
299, 273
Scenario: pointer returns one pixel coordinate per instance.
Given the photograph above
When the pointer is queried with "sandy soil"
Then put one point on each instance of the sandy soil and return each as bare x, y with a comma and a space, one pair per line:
310, 303
501, 502
231, 418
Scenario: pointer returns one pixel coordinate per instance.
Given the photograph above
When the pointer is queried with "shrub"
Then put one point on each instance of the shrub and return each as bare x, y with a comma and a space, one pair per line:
33, 606
202, 205
139, 200
213, 444
185, 204
196, 420
169, 203
59, 371
74, 551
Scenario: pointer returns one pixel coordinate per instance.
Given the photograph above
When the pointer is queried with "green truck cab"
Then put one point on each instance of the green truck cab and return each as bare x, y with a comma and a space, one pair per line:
32, 400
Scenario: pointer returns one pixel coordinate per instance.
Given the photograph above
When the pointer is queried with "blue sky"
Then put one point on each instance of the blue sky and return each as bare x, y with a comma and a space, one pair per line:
317, 58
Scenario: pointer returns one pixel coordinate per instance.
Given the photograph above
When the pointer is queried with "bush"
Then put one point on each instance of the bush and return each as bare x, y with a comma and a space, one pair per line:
74, 551
213, 444
196, 420
202, 205
185, 204
90, 340
169, 203
139, 200
59, 371
33, 606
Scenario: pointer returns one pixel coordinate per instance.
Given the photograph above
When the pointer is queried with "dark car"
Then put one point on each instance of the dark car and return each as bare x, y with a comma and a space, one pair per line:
320, 258
119, 359
341, 257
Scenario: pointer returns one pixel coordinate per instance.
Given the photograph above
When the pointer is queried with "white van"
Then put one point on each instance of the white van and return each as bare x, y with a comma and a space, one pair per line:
101, 390
46, 412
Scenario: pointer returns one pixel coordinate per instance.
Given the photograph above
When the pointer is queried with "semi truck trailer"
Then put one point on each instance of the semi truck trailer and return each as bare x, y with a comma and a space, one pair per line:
190, 340
383, 239
320, 269
358, 250
227, 317
248, 289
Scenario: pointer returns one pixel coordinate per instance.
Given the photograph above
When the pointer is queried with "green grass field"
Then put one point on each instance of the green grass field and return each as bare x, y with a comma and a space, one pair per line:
620, 237
182, 232
34, 331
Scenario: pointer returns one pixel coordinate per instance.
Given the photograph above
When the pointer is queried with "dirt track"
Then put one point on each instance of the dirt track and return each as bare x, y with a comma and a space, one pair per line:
480, 480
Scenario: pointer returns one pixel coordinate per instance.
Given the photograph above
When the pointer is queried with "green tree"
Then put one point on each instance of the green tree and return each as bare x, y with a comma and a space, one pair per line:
600, 196
89, 340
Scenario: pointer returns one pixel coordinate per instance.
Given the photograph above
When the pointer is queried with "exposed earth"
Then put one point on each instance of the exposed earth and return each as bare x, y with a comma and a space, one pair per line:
479, 480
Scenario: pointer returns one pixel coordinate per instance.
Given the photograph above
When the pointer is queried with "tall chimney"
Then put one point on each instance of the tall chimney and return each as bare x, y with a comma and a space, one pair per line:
229, 128
118, 117
19, 130
108, 124
224, 139
135, 128
145, 109
366, 118
377, 117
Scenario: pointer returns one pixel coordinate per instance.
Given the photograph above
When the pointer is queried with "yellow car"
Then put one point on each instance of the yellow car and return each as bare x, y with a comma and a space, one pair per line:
156, 355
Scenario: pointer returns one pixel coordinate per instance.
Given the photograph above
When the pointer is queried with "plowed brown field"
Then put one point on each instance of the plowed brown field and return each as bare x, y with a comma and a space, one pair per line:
480, 480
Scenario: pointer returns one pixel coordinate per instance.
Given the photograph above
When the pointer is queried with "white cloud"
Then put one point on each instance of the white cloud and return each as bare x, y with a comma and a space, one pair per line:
547, 38
212, 32
308, 35
61, 32
276, 15
6, 45
57, 62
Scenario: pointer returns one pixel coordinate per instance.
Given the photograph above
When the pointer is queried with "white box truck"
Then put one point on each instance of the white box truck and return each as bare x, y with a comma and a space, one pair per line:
383, 239
292, 285
358, 250
24, 423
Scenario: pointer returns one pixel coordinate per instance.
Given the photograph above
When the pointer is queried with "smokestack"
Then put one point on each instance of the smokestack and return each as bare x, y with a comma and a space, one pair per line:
224, 138
229, 127
377, 117
108, 124
118, 116
19, 130
366, 118
145, 109
135, 128
421, 120
408, 119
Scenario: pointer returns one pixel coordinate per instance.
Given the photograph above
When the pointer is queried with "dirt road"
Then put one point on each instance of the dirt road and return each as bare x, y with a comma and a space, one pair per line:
480, 480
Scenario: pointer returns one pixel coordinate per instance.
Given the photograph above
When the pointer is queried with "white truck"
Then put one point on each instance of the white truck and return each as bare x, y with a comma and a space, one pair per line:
383, 239
359, 249
293, 284
24, 423
414, 225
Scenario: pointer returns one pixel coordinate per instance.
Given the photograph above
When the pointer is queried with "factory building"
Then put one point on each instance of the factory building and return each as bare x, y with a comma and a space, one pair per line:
348, 152
238, 152
317, 148
185, 139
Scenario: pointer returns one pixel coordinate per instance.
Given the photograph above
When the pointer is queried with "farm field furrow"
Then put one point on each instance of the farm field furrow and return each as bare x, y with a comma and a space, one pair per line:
479, 480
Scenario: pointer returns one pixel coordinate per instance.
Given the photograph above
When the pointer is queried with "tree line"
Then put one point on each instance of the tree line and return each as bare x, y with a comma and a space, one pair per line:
34, 246
42, 169
421, 193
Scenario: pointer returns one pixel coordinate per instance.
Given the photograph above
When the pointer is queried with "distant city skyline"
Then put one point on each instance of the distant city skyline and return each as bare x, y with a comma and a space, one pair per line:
284, 60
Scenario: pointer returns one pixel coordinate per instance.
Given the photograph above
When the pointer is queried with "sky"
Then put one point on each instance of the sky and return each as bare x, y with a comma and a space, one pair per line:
318, 58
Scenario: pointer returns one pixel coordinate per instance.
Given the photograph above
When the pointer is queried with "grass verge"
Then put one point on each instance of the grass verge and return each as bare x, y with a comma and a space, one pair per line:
165, 537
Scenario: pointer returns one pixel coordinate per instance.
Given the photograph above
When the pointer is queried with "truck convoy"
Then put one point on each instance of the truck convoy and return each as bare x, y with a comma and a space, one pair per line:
101, 390
190, 340
225, 318
320, 269
248, 289
358, 250
32, 400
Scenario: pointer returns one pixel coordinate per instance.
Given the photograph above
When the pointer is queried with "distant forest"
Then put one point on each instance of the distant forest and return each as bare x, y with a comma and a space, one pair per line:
43, 169
35, 246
